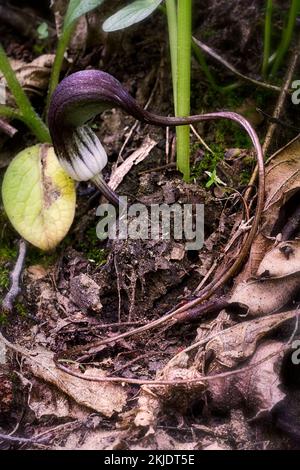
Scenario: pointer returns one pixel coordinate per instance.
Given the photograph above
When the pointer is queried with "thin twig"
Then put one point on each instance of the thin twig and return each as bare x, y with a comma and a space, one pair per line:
236, 235
57, 429
201, 140
162, 383
289, 314
7, 128
232, 69
158, 168
14, 290
206, 277
282, 123
158, 382
19, 440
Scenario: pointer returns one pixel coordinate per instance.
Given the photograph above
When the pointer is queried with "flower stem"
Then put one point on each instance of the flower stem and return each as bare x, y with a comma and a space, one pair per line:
199, 56
286, 36
267, 37
184, 18
7, 112
172, 28
28, 114
62, 45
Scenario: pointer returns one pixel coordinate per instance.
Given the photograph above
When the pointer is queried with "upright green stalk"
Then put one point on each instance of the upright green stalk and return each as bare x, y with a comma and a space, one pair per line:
267, 37
199, 56
28, 114
172, 28
184, 17
286, 36
58, 61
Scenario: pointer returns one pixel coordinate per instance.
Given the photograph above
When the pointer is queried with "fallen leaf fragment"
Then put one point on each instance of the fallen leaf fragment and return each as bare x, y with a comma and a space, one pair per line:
134, 159
105, 398
277, 281
257, 387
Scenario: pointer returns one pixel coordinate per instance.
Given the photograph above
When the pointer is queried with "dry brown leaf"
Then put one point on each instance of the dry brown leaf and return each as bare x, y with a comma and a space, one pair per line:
48, 402
239, 342
282, 182
279, 274
33, 76
230, 348
36, 272
135, 158
94, 440
105, 398
258, 387
265, 296
282, 261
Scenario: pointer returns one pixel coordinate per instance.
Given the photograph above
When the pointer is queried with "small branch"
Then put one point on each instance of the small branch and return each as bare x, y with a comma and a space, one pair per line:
14, 290
280, 122
7, 128
232, 69
162, 383
19, 440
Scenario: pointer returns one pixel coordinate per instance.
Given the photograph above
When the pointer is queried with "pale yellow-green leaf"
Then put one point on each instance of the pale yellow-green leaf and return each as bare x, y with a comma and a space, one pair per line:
38, 196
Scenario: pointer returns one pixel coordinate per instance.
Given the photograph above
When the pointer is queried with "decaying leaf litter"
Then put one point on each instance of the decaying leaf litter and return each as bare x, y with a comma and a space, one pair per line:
224, 362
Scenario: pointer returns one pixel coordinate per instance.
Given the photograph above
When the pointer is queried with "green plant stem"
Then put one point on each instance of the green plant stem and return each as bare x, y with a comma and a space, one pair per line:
33, 121
199, 56
172, 28
230, 87
184, 17
62, 45
286, 36
10, 113
267, 37
7, 112
202, 62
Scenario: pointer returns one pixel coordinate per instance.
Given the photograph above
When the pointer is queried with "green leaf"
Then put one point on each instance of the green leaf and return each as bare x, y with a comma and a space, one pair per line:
42, 31
78, 8
133, 13
38, 197
213, 179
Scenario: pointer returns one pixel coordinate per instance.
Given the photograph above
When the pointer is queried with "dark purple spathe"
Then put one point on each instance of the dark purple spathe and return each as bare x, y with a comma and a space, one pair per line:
83, 95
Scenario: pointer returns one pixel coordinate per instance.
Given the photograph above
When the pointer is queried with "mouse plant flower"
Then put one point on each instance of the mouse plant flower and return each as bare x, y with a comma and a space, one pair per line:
83, 95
